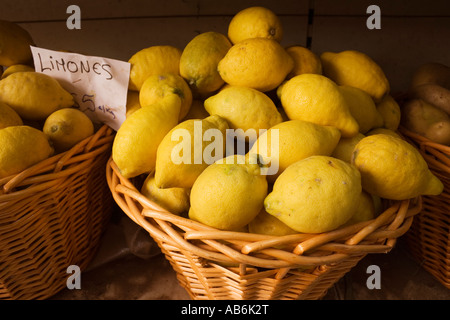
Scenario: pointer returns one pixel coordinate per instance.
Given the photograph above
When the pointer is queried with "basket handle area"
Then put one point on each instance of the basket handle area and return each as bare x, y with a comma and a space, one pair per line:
85, 149
374, 236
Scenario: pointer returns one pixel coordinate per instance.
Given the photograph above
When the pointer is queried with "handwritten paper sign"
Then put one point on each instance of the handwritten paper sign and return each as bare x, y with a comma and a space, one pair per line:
99, 85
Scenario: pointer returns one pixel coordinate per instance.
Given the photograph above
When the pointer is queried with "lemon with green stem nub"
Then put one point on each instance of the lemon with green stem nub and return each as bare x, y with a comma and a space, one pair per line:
67, 127
199, 60
228, 194
161, 86
153, 60
392, 168
316, 194
255, 22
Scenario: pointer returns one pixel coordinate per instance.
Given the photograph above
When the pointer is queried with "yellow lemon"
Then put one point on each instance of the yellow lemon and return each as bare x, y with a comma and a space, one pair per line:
197, 110
67, 127
33, 95
356, 69
390, 112
186, 151
391, 168
15, 44
365, 211
316, 194
245, 109
305, 61
16, 68
363, 108
137, 140
159, 86
133, 103
267, 224
8, 116
315, 98
22, 147
228, 194
291, 141
384, 131
258, 63
174, 200
255, 22
153, 60
199, 60
345, 146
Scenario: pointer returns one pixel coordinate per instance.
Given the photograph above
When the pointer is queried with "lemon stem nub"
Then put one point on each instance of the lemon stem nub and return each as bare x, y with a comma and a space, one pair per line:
260, 161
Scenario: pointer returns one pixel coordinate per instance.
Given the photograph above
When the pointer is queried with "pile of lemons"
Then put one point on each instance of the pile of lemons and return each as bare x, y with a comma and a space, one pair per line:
337, 149
37, 117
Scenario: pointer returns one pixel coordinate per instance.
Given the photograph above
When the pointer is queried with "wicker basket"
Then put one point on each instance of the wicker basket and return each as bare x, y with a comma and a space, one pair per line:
429, 238
222, 265
52, 216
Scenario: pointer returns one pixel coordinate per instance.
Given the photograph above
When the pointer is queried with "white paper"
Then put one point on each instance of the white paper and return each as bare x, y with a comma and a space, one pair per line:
99, 85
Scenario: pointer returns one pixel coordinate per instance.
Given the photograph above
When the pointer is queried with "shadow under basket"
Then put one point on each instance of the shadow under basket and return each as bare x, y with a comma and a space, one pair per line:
429, 238
52, 215
221, 265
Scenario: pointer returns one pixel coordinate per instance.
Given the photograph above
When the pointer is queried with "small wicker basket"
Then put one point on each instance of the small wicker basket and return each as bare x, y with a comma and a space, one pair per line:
222, 265
52, 216
429, 238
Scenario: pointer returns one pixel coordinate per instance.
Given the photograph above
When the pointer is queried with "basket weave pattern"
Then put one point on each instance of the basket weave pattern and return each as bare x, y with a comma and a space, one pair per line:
429, 238
51, 216
215, 264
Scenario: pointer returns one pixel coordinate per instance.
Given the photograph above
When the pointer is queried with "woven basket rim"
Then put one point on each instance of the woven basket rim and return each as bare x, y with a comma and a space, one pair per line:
299, 250
41, 174
436, 155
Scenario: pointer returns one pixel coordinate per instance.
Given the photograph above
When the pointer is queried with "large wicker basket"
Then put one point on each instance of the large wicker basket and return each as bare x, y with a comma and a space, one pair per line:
52, 216
429, 238
221, 265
